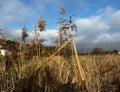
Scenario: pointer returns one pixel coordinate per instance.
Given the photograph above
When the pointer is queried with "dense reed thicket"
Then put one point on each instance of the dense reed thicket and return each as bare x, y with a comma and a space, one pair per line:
61, 74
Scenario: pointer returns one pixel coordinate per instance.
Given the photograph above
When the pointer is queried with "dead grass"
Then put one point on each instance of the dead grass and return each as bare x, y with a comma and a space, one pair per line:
62, 75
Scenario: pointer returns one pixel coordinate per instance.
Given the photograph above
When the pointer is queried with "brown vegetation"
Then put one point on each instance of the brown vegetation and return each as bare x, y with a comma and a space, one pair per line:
61, 75
29, 69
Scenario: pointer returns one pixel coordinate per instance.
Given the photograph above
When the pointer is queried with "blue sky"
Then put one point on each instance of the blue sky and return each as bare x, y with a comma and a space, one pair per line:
97, 20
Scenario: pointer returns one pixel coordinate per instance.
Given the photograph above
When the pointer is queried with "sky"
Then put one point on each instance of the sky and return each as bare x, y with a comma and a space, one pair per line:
98, 21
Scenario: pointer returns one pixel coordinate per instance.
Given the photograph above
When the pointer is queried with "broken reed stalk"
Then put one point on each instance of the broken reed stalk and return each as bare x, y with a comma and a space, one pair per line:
52, 55
60, 48
79, 66
82, 74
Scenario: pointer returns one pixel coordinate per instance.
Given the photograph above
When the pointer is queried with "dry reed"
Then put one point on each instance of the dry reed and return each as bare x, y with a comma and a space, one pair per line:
60, 75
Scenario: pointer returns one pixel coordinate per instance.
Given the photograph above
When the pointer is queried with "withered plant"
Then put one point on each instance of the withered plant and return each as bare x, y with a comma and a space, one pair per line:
24, 34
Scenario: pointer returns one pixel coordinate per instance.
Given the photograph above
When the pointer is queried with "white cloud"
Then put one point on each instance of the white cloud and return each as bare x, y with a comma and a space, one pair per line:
92, 25
101, 30
11, 34
108, 38
49, 36
106, 12
41, 6
14, 11
91, 28
111, 16
115, 22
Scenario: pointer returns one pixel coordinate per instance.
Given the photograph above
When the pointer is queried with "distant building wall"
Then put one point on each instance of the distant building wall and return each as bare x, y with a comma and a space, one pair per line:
119, 52
2, 52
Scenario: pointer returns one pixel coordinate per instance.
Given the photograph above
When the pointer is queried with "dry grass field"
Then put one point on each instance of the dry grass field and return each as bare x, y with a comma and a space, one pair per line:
60, 74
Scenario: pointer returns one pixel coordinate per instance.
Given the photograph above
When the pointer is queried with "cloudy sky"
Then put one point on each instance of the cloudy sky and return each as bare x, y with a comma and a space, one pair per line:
98, 21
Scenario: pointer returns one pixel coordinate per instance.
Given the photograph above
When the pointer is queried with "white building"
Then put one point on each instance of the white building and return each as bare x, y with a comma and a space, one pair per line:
2, 52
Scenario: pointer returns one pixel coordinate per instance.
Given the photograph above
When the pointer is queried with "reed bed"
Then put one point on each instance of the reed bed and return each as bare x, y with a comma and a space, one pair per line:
61, 74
